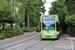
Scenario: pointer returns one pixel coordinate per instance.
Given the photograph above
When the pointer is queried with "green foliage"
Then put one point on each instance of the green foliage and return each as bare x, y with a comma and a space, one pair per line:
65, 9
32, 11
7, 27
0, 28
11, 15
59, 8
10, 33
6, 12
70, 6
71, 31
70, 21
30, 29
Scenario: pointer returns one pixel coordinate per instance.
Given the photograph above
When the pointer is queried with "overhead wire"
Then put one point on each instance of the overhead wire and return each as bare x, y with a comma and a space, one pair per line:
33, 2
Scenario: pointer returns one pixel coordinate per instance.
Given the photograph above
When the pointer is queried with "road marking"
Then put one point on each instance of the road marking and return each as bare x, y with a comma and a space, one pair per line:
72, 45
44, 49
22, 44
31, 45
28, 44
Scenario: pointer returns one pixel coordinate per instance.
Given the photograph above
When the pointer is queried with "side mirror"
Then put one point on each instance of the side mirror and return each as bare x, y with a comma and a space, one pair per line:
40, 26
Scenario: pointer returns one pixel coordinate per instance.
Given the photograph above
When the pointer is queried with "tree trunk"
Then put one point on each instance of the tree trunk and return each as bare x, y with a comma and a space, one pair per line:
17, 25
11, 25
28, 24
3, 26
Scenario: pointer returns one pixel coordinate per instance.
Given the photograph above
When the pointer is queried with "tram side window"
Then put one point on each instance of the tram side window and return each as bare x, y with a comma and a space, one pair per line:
58, 26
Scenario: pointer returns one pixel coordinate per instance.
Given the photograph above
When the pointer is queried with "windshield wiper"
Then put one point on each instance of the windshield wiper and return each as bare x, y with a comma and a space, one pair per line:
47, 30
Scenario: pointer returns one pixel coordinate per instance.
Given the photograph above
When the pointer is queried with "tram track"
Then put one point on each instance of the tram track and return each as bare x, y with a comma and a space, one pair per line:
44, 48
25, 44
37, 40
18, 42
19, 38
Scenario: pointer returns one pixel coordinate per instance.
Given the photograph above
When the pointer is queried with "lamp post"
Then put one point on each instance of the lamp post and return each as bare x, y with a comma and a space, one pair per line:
14, 13
24, 18
11, 2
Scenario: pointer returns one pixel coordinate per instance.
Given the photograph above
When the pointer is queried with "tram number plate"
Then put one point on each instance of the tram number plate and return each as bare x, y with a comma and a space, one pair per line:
48, 32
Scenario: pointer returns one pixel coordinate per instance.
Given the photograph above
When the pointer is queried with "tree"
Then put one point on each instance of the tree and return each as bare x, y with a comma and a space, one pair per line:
6, 13
59, 8
32, 8
70, 6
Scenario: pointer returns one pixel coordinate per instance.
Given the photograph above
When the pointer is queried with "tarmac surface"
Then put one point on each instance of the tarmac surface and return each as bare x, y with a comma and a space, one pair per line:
32, 41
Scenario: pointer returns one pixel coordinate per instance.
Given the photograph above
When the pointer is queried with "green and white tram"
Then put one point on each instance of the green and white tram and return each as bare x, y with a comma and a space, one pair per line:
49, 25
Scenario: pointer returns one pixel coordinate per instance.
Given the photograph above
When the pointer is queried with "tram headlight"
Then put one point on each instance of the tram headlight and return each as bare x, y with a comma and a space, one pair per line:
43, 33
54, 33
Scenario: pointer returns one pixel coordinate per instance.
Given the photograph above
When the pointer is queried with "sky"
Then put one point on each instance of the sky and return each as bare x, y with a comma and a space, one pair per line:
47, 6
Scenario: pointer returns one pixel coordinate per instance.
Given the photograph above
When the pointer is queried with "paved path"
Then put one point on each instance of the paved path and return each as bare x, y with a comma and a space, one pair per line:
69, 37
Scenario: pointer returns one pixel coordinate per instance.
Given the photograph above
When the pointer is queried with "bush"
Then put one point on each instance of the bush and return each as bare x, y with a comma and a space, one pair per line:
2, 36
70, 21
10, 33
7, 27
0, 28
30, 29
